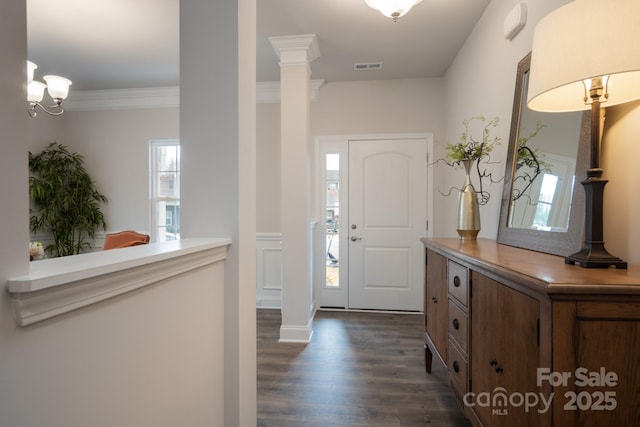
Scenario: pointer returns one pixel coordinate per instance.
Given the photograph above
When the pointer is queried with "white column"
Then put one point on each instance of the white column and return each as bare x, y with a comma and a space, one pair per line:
296, 54
217, 136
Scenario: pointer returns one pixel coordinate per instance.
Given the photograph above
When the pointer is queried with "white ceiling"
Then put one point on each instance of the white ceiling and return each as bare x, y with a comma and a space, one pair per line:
115, 44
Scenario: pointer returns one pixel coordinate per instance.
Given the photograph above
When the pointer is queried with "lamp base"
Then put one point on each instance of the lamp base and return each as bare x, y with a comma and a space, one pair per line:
594, 255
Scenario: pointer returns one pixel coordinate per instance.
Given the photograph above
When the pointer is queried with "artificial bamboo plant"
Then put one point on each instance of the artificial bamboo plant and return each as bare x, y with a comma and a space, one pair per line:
65, 200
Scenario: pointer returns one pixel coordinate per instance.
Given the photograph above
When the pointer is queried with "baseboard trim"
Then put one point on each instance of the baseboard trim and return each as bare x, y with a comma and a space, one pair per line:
268, 302
362, 310
296, 334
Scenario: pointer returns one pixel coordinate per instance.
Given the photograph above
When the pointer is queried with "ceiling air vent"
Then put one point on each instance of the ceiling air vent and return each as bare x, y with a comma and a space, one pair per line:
362, 66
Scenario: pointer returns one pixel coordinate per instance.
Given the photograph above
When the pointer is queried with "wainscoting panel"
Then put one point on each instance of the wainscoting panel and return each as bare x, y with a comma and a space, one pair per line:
269, 270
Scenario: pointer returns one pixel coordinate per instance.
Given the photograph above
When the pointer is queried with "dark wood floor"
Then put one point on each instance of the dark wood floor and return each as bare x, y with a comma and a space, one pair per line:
360, 369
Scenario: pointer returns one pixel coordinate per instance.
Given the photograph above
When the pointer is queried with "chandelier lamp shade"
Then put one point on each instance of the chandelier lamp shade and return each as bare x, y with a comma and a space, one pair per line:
393, 9
57, 87
585, 54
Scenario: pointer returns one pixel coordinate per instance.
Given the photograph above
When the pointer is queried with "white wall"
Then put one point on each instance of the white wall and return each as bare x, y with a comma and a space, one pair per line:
115, 146
97, 366
44, 368
152, 357
379, 106
268, 167
218, 187
13, 191
45, 129
347, 108
13, 165
620, 154
481, 81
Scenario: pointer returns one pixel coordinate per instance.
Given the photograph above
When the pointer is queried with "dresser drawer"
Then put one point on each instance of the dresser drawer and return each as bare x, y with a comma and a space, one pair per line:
458, 326
457, 365
458, 282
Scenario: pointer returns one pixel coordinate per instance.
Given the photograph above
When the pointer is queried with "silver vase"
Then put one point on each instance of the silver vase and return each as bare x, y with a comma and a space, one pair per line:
468, 223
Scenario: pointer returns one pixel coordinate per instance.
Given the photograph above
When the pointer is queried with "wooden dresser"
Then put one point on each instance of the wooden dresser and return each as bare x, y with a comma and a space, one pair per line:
530, 341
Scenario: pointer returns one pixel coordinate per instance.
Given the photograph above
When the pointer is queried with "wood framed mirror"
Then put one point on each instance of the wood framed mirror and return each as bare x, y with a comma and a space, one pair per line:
547, 158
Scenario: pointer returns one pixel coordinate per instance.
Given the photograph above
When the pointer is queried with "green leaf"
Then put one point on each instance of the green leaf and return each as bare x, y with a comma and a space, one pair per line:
65, 199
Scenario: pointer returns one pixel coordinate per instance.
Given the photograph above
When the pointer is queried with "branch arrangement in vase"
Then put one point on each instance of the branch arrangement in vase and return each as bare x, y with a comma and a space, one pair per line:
530, 163
474, 150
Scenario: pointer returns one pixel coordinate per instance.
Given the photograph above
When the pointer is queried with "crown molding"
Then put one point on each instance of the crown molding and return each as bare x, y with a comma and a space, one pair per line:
160, 97
156, 97
296, 50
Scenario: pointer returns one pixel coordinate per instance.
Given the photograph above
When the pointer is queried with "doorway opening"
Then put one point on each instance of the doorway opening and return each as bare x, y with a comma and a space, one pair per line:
374, 202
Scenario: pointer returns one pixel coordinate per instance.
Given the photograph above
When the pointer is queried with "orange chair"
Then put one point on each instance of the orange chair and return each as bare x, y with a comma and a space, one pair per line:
124, 239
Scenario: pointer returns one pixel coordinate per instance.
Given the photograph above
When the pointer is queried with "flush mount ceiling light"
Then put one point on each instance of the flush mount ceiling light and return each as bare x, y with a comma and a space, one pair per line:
393, 9
58, 88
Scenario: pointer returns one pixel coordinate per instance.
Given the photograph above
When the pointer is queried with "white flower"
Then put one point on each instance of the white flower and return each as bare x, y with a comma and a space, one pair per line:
36, 251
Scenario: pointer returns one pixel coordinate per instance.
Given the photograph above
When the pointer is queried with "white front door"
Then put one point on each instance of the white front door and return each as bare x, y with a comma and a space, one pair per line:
386, 217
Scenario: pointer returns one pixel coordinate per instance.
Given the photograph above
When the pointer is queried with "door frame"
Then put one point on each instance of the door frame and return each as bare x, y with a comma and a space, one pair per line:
336, 297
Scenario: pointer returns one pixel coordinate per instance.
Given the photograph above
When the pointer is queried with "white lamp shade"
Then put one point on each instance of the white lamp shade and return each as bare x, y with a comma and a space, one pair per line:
58, 87
390, 7
35, 91
31, 68
582, 40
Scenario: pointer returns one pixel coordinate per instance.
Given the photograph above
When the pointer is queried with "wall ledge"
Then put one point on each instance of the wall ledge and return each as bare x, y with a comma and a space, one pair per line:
60, 285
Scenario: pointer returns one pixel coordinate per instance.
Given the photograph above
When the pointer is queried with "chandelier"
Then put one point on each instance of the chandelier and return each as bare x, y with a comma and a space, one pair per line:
57, 87
393, 9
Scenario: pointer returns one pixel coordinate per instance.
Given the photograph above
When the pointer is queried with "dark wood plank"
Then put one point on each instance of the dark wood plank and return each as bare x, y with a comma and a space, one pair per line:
360, 369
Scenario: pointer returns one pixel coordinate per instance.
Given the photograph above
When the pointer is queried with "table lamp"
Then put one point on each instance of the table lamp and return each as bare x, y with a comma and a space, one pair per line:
584, 54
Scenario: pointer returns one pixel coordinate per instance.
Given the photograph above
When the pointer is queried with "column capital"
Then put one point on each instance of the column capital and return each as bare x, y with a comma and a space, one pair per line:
296, 49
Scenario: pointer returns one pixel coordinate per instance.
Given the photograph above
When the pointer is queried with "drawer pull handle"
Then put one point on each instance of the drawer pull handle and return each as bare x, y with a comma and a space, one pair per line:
494, 363
456, 324
434, 300
456, 281
456, 367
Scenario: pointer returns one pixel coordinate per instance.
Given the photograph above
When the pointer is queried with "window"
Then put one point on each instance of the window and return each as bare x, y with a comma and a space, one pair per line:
165, 190
545, 201
332, 205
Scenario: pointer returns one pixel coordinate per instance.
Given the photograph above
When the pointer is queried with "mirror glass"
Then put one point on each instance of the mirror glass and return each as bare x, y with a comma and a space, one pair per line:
543, 201
544, 170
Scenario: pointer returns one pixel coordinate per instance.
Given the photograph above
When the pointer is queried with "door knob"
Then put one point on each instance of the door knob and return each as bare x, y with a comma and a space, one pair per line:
355, 238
